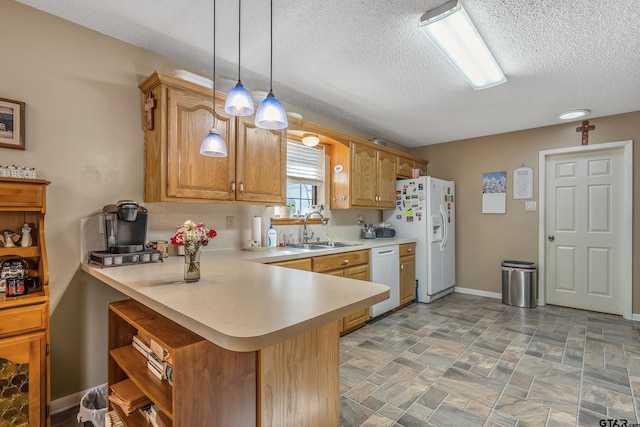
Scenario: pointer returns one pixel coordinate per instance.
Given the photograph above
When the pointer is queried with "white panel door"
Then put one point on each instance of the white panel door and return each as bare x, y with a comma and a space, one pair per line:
585, 231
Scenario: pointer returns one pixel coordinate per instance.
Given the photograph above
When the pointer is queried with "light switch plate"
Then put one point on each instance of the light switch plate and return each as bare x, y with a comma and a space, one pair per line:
231, 222
530, 206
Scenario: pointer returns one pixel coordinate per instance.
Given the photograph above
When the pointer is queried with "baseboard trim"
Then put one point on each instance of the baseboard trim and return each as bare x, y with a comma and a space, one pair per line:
634, 316
478, 292
68, 402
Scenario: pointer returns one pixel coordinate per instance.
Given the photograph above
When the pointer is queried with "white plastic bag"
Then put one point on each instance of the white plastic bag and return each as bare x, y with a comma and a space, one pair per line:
93, 406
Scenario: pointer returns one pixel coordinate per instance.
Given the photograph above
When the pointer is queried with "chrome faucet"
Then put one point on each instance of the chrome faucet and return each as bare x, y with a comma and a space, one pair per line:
305, 235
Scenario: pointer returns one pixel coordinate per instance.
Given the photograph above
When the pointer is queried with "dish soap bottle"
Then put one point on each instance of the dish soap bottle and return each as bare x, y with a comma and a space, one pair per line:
272, 237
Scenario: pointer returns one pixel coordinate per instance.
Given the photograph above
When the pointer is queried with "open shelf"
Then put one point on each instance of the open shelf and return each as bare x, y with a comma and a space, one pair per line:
134, 365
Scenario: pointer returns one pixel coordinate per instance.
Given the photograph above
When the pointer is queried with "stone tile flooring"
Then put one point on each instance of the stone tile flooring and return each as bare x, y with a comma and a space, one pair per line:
467, 360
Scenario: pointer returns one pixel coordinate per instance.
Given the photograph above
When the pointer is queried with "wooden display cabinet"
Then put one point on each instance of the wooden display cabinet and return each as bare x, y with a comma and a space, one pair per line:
254, 170
24, 320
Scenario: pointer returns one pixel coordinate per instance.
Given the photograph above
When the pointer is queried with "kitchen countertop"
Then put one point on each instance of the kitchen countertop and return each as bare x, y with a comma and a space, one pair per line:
242, 304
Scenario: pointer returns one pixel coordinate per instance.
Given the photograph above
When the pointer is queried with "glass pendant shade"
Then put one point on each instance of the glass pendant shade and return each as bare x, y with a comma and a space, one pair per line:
271, 114
239, 101
213, 145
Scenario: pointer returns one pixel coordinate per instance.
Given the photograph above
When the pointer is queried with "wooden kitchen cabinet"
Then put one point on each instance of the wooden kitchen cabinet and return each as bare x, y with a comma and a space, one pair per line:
373, 177
24, 320
364, 175
354, 265
407, 273
253, 172
296, 264
406, 165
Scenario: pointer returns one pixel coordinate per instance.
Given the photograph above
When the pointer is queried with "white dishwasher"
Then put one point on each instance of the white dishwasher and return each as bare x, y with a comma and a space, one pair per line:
385, 269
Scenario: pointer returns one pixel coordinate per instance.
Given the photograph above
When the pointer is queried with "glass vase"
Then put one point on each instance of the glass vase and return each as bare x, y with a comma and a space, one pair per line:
192, 266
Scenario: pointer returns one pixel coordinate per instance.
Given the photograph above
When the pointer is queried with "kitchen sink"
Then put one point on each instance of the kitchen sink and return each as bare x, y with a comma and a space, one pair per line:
322, 245
336, 244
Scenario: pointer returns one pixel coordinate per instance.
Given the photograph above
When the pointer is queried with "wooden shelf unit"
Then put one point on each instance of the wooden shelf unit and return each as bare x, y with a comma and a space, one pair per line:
206, 387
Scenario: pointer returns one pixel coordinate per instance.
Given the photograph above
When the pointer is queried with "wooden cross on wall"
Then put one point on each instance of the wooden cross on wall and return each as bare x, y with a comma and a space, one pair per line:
585, 128
149, 105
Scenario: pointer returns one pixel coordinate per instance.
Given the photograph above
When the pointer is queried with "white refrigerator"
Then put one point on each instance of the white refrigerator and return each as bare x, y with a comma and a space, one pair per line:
425, 210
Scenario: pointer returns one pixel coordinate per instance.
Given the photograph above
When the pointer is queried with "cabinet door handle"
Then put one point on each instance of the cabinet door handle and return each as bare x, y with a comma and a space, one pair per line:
346, 261
401, 266
233, 186
410, 249
241, 188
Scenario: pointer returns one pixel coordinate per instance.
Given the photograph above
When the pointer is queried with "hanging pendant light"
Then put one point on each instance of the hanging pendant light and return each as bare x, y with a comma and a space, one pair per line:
213, 144
239, 101
271, 114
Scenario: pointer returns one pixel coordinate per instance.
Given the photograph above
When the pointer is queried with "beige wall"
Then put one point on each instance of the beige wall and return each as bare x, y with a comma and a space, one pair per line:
484, 240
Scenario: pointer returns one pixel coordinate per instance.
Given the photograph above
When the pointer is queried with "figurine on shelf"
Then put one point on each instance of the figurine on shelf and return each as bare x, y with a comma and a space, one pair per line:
26, 240
9, 238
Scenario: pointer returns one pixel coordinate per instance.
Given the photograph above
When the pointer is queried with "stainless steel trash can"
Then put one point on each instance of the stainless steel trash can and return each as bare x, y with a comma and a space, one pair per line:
519, 283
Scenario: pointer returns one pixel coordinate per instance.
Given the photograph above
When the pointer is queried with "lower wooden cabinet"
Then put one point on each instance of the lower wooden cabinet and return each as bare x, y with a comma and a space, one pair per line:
354, 265
407, 273
24, 362
296, 264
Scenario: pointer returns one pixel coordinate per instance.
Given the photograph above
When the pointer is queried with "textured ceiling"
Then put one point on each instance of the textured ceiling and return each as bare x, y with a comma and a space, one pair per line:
365, 63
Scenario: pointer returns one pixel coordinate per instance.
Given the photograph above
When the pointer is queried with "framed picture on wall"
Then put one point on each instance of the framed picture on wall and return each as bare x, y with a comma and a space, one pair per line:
11, 124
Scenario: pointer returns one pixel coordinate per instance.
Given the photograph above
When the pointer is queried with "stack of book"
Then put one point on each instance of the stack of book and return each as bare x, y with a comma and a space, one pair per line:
112, 419
156, 417
158, 358
128, 396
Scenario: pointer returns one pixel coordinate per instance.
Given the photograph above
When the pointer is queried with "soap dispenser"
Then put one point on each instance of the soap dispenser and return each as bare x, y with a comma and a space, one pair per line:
272, 237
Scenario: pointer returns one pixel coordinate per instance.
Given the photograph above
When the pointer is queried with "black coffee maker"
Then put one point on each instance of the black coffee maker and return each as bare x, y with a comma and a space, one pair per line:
125, 227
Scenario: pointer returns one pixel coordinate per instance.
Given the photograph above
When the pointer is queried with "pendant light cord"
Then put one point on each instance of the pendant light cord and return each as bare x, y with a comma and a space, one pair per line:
271, 60
214, 64
239, 14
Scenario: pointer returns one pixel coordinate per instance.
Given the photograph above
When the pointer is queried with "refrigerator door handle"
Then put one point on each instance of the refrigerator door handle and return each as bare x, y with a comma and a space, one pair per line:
443, 214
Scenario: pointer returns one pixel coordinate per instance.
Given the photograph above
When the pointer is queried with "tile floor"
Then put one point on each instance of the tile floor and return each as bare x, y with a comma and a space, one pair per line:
471, 361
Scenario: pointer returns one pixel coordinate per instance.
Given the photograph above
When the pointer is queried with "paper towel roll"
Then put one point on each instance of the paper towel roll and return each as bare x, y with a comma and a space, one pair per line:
256, 230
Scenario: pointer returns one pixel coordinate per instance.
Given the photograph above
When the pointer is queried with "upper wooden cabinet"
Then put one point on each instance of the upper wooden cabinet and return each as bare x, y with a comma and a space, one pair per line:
373, 177
406, 165
364, 176
180, 116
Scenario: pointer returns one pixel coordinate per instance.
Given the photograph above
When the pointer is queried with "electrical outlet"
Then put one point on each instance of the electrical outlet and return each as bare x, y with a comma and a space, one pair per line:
231, 222
530, 206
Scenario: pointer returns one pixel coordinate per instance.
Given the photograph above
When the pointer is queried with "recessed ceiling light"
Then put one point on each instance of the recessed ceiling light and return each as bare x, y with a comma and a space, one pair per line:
573, 114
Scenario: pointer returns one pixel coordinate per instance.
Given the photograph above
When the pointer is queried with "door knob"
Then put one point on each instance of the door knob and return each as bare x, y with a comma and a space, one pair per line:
551, 238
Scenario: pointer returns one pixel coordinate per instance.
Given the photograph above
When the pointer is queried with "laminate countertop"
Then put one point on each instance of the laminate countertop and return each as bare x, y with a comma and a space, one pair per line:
242, 304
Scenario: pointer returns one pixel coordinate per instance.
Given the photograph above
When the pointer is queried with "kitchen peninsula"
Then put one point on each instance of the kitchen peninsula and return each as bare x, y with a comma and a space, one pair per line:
263, 340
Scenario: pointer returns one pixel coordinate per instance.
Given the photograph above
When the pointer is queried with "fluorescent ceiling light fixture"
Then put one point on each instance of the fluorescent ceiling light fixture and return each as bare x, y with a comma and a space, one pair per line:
573, 114
448, 26
310, 140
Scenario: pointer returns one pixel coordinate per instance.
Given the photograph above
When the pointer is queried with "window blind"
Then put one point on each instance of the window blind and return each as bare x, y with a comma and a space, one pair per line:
305, 164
